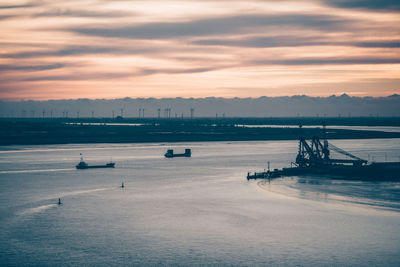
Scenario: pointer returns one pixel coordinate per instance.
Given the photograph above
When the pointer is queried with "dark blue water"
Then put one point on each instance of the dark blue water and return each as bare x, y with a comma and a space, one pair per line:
191, 211
394, 129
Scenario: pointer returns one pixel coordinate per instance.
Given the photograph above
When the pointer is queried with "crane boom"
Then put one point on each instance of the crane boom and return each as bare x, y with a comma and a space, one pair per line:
341, 151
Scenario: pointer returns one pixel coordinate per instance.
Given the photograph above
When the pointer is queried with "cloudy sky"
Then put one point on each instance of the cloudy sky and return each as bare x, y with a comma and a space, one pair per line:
53, 49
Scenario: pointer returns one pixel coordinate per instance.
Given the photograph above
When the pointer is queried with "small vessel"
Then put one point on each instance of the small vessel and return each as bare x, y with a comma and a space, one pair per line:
59, 201
122, 185
83, 165
170, 153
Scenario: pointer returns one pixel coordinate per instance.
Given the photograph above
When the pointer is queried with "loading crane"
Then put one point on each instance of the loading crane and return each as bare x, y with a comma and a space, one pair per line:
315, 153
314, 158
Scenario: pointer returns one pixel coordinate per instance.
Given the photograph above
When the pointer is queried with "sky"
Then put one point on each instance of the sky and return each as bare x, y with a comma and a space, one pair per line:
52, 49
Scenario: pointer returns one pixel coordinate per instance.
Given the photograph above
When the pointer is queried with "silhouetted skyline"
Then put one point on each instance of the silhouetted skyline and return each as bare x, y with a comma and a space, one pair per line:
301, 105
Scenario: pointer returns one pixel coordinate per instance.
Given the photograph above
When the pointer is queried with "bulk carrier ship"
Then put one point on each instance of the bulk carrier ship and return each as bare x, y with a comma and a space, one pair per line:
83, 165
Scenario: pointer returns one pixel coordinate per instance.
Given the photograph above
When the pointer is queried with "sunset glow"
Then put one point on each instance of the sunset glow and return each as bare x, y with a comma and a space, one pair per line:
115, 49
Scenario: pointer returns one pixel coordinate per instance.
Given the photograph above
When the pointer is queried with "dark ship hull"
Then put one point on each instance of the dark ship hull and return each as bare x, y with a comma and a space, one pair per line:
387, 171
85, 166
175, 155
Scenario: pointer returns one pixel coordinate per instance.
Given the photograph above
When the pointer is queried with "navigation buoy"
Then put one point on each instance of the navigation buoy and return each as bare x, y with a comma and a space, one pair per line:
59, 201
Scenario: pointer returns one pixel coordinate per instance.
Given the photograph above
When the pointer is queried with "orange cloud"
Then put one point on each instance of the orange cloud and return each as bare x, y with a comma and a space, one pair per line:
74, 49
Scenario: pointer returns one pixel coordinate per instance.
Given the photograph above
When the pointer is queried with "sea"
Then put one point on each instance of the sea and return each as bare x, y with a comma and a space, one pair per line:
192, 211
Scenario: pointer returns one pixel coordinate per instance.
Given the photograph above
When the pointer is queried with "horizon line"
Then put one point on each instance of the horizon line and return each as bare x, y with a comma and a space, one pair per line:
194, 98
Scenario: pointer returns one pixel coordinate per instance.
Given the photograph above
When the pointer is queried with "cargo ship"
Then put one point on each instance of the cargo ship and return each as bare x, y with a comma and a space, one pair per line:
170, 153
314, 158
83, 165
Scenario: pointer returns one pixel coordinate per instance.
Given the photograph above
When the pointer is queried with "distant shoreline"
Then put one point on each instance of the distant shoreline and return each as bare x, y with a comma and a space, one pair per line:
211, 107
43, 132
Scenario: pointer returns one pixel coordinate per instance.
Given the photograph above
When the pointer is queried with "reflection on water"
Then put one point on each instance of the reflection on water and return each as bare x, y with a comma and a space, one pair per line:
382, 195
32, 171
191, 211
37, 209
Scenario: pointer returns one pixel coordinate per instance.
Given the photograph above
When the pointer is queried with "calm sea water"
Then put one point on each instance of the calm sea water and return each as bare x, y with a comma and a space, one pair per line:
192, 211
